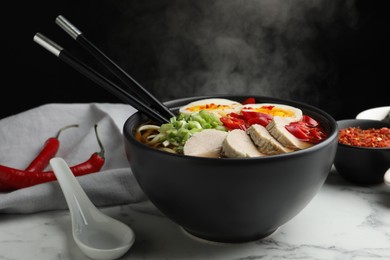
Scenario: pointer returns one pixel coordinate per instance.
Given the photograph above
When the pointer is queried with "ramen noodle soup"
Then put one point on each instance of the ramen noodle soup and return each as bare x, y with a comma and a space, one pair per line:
225, 128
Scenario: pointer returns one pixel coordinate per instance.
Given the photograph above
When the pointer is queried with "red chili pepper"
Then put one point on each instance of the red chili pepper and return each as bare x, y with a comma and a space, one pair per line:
13, 178
4, 187
48, 151
40, 162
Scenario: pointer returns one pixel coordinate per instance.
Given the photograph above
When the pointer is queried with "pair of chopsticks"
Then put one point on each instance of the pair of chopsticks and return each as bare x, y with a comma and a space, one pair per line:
146, 103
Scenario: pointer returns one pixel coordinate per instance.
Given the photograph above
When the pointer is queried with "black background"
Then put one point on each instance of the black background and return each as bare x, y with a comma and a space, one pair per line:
31, 76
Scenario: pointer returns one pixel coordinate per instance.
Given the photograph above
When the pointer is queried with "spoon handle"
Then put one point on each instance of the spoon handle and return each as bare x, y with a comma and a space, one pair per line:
78, 202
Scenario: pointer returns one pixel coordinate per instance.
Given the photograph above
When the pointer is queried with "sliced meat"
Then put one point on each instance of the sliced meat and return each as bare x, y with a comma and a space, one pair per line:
238, 144
207, 143
265, 142
277, 129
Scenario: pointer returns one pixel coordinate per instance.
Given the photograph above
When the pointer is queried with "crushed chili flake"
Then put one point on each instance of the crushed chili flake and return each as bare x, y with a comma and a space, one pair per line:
372, 137
210, 106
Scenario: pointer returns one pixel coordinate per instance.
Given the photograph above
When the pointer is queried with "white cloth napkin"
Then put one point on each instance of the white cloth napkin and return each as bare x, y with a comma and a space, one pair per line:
23, 135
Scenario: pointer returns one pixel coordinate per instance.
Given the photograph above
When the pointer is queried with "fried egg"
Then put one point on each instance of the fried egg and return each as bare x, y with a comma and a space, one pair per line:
276, 110
219, 106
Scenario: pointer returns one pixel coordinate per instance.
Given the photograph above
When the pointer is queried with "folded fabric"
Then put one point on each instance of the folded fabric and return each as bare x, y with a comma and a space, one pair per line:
22, 136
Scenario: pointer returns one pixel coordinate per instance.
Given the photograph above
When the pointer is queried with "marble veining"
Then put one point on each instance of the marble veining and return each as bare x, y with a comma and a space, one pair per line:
343, 221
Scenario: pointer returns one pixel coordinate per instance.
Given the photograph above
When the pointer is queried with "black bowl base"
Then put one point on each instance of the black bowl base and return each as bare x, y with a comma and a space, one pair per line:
239, 240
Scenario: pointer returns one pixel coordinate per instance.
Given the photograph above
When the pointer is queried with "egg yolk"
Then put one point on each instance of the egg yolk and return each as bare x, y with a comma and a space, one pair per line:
274, 111
210, 106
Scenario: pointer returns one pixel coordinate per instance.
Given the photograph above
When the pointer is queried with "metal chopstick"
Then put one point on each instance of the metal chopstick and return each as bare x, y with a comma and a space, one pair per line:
145, 95
68, 58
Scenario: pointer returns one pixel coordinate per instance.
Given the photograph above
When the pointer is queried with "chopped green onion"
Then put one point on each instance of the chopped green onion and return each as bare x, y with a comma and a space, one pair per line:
181, 128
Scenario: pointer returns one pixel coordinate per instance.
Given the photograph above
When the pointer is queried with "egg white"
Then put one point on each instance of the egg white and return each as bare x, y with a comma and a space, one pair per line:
227, 106
288, 112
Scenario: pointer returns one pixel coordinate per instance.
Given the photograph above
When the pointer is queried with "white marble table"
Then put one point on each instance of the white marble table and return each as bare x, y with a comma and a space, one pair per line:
343, 221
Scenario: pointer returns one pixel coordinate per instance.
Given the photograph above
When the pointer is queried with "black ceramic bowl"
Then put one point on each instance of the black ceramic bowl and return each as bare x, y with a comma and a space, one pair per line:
362, 165
232, 200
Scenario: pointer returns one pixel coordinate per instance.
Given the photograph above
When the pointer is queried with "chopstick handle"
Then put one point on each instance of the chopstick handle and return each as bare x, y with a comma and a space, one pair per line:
76, 34
68, 27
66, 57
48, 44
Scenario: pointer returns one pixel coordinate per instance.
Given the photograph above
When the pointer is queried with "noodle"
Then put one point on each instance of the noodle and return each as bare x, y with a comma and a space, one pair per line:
150, 135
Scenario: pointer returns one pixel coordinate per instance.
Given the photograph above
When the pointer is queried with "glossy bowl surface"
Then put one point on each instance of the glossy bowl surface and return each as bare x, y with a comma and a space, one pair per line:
362, 165
232, 200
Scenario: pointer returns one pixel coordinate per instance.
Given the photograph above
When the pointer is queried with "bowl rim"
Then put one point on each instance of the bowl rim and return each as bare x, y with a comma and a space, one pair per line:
361, 120
332, 137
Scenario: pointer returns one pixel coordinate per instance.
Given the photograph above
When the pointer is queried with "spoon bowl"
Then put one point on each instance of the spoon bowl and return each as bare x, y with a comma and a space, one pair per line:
96, 234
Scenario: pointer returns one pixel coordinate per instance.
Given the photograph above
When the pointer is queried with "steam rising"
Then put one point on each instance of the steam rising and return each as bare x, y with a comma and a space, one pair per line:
266, 47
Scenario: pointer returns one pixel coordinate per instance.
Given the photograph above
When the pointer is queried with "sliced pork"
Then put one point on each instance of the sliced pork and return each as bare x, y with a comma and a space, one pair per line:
277, 129
238, 144
207, 143
264, 141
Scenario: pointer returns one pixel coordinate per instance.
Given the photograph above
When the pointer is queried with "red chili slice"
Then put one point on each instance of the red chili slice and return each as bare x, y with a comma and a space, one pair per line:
250, 100
309, 121
251, 114
235, 115
233, 123
306, 130
297, 131
316, 135
258, 120
254, 117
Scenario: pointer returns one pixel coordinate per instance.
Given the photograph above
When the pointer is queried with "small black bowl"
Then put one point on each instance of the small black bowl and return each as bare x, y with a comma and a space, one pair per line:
362, 165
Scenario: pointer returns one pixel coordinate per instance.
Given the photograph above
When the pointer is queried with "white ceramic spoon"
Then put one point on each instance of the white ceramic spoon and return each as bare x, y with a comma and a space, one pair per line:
97, 235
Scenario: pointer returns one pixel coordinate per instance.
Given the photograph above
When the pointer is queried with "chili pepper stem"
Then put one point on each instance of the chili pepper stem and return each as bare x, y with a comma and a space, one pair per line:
65, 127
101, 153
